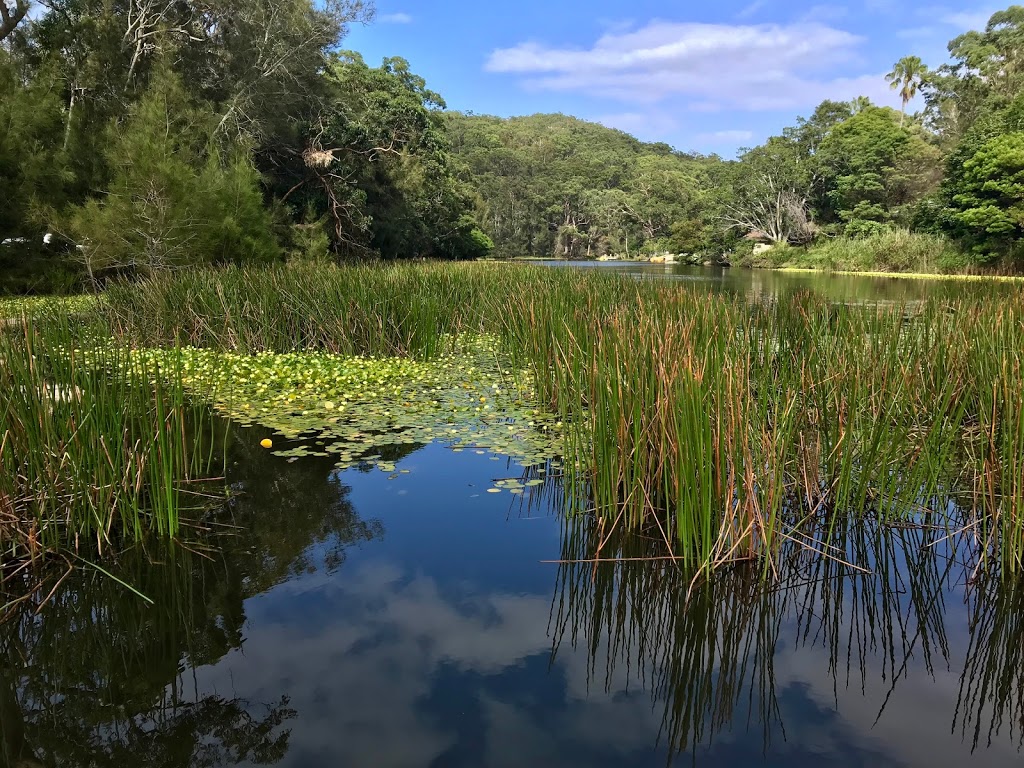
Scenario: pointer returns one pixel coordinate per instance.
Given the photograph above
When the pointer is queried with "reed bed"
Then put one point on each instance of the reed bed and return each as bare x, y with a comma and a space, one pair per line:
724, 425
96, 450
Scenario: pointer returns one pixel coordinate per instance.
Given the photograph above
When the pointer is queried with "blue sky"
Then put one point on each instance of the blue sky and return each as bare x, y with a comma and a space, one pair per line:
704, 76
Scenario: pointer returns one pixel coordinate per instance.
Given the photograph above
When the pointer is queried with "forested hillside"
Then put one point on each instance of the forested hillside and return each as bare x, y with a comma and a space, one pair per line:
552, 185
891, 188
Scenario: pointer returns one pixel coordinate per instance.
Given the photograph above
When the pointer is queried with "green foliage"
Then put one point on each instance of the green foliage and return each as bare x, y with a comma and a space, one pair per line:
906, 77
93, 449
175, 199
988, 196
881, 249
554, 186
32, 180
874, 170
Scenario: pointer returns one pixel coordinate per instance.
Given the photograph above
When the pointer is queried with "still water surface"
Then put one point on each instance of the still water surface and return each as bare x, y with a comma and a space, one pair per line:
360, 618
766, 282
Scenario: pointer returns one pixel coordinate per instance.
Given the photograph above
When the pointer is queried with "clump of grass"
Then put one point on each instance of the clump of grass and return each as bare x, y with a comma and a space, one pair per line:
363, 310
891, 250
94, 451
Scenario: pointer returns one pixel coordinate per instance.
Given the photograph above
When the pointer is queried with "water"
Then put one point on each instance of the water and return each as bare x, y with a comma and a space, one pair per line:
765, 282
359, 618
363, 618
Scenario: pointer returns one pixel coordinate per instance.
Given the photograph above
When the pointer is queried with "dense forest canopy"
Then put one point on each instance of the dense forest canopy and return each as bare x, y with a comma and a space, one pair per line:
149, 134
138, 135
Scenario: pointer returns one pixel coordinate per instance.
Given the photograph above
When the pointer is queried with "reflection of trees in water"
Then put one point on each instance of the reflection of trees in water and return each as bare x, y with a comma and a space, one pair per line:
99, 677
709, 662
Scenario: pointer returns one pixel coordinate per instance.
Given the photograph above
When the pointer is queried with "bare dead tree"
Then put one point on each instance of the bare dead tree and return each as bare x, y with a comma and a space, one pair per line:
769, 205
146, 20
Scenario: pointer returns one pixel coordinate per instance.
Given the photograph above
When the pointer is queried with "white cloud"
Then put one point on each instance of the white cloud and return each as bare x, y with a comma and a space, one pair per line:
640, 124
726, 137
718, 66
752, 9
967, 20
395, 18
825, 13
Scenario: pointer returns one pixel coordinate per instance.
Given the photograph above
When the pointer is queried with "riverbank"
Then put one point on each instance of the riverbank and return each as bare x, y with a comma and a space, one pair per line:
895, 252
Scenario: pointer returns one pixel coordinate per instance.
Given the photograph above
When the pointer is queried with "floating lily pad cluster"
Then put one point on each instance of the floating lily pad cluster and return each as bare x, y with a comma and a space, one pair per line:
14, 308
353, 407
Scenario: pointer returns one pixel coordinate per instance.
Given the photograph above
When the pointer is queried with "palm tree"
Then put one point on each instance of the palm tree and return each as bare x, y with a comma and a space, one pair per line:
906, 77
859, 104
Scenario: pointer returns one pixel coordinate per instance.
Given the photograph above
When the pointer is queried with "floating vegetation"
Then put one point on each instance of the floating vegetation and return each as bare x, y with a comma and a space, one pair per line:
352, 408
15, 308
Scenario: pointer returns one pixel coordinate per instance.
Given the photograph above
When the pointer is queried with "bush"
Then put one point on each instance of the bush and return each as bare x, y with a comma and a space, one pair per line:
175, 199
889, 250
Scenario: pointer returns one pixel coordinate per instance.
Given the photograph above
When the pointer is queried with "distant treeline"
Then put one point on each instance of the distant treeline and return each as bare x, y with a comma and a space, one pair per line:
139, 135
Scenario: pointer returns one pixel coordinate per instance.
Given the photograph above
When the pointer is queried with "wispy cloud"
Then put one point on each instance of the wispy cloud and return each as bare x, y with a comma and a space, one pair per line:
395, 18
715, 66
967, 20
751, 10
645, 125
825, 13
725, 137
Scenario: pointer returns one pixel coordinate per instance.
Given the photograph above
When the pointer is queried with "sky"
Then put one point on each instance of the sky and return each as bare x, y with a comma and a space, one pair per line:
703, 76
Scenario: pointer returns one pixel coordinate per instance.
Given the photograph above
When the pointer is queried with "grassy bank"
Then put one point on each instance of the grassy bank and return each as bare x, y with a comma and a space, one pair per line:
890, 252
726, 429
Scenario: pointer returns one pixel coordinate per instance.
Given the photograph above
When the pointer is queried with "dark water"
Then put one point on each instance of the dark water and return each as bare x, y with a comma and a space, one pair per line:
365, 619
766, 282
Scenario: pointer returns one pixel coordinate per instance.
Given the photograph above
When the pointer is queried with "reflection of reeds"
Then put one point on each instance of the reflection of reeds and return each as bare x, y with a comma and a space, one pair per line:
992, 683
705, 659
708, 660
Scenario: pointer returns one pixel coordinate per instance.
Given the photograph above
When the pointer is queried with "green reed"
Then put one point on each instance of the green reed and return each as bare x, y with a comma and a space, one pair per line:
721, 424
95, 449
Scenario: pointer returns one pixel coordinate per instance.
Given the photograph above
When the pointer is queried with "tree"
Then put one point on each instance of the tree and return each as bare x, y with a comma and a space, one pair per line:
988, 197
874, 170
176, 198
552, 185
12, 17
770, 194
859, 104
906, 77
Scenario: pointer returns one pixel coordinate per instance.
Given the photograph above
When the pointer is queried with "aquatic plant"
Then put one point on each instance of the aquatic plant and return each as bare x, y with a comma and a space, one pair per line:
724, 425
351, 408
89, 459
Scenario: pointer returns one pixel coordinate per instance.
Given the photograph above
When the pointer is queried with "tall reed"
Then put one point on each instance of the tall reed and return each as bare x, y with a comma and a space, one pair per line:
95, 447
722, 424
